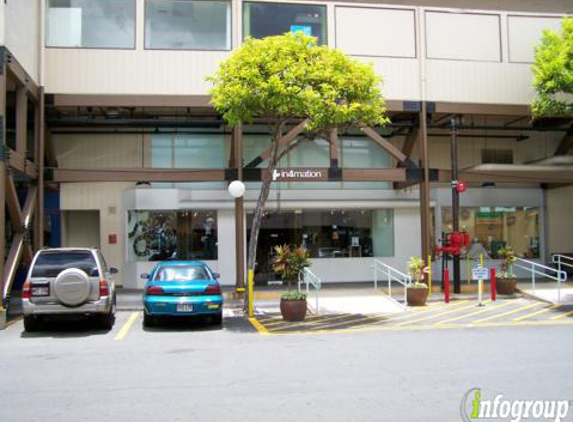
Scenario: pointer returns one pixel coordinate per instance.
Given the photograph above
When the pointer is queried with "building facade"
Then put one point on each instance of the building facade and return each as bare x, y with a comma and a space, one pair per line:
108, 102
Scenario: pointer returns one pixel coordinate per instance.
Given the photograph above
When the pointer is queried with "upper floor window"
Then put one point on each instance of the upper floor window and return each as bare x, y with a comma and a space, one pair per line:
91, 23
264, 19
187, 25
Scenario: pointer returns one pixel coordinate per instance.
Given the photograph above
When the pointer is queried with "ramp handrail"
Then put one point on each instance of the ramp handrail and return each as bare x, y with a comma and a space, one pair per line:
310, 279
559, 258
392, 275
543, 270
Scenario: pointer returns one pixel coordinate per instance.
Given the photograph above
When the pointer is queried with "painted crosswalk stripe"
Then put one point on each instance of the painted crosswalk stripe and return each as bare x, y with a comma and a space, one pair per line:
415, 313
451, 311
471, 314
566, 314
513, 311
125, 329
542, 311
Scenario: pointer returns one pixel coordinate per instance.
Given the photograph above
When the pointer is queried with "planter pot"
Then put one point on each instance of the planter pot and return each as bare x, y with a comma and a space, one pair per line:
293, 310
505, 286
416, 296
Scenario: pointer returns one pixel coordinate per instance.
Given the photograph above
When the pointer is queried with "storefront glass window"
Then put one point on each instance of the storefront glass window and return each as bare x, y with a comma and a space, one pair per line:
187, 25
264, 19
495, 227
91, 24
181, 235
364, 154
332, 233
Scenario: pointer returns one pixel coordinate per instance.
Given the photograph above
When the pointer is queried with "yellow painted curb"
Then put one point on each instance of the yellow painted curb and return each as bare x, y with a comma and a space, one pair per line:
258, 326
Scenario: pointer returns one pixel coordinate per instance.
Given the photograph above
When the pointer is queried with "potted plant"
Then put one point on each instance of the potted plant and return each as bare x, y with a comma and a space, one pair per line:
417, 292
506, 279
288, 263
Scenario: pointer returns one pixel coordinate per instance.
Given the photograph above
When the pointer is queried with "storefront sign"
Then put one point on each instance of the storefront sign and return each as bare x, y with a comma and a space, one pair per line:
298, 174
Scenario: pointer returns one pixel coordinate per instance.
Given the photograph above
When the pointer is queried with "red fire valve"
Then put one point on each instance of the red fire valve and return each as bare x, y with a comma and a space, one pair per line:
461, 186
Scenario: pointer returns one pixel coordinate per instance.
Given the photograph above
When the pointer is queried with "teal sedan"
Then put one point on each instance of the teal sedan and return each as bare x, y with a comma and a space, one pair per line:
182, 288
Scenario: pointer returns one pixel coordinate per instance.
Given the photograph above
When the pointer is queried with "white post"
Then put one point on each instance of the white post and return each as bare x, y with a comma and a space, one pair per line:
389, 283
375, 276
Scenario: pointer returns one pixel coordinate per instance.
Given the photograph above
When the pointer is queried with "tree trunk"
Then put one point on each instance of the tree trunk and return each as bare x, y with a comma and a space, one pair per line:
260, 208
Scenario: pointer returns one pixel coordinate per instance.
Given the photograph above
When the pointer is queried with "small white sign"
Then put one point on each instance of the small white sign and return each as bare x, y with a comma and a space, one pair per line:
480, 273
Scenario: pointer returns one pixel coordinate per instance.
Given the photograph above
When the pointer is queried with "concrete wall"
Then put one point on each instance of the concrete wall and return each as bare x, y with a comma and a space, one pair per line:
22, 20
559, 215
464, 56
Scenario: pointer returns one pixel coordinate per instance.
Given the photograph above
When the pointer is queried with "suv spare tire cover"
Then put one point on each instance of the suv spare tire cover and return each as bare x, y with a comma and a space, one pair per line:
72, 287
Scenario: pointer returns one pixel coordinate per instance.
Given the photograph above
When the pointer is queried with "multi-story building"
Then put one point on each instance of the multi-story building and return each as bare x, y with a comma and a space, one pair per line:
111, 135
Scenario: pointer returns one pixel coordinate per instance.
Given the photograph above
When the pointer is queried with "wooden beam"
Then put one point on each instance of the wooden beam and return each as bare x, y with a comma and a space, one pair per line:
21, 121
374, 175
19, 163
13, 205
136, 175
281, 143
566, 143
482, 109
333, 147
19, 75
110, 100
558, 176
39, 157
387, 145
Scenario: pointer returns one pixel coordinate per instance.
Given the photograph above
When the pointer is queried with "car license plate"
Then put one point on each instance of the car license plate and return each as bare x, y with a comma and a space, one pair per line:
40, 291
184, 307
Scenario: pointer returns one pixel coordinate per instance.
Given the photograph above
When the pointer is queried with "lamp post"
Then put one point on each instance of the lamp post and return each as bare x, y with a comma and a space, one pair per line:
237, 190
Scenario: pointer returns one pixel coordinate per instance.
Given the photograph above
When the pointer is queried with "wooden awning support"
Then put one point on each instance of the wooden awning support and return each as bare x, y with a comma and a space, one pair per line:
21, 219
282, 142
387, 145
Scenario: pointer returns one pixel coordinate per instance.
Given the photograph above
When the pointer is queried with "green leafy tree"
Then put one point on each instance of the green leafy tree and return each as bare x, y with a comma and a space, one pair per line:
553, 69
289, 78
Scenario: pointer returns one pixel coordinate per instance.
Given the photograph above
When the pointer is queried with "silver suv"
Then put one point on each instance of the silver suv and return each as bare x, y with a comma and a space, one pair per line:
69, 282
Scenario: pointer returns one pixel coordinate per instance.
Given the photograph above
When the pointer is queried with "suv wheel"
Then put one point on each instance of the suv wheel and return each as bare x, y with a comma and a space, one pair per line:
31, 324
106, 321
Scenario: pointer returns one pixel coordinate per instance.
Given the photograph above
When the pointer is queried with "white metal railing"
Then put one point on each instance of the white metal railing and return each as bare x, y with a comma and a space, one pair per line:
310, 279
392, 274
543, 270
562, 261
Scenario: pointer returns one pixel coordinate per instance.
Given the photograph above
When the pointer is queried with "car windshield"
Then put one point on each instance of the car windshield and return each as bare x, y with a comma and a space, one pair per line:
181, 273
50, 264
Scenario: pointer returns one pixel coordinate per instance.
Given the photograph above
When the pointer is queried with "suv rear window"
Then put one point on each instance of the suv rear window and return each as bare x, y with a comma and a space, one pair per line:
50, 264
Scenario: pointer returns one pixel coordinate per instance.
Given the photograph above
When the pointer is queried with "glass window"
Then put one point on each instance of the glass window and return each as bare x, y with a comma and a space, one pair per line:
495, 227
187, 25
188, 150
51, 263
363, 153
335, 233
181, 235
181, 273
91, 23
264, 19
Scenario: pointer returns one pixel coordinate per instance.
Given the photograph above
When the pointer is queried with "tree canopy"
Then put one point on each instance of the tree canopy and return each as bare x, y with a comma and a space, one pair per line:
553, 69
290, 76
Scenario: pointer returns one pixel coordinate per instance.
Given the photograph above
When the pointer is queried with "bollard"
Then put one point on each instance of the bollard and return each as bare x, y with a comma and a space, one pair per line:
493, 283
447, 285
250, 282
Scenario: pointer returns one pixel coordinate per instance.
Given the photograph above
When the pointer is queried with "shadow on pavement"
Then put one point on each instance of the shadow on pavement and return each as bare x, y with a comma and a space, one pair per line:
66, 329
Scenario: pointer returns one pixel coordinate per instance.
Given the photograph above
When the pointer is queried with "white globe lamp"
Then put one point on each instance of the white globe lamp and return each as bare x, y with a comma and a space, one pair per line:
237, 189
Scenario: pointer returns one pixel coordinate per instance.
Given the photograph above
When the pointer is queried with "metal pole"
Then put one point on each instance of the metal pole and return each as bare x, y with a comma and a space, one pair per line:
425, 185
455, 199
239, 212
2, 175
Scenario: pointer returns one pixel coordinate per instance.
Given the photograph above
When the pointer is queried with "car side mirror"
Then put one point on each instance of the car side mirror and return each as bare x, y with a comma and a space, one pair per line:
217, 275
113, 270
144, 276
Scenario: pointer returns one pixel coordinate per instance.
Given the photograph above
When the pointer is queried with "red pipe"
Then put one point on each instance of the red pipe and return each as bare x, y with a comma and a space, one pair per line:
447, 285
493, 282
